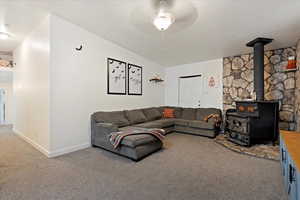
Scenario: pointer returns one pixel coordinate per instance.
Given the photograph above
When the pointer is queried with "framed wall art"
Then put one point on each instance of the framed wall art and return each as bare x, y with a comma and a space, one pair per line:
116, 77
135, 80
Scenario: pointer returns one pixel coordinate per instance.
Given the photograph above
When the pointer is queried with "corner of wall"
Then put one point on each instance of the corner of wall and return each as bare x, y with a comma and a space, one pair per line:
297, 91
30, 87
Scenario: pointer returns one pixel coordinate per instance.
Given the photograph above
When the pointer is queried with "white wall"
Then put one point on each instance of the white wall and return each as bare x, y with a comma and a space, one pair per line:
212, 97
31, 87
79, 84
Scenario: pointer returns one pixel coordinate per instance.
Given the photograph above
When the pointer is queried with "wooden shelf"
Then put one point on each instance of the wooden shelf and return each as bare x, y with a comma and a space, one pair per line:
290, 70
156, 80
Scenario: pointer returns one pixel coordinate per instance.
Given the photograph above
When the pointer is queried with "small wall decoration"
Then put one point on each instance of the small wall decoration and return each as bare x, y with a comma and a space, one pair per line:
79, 48
291, 63
156, 79
116, 77
135, 79
211, 82
6, 59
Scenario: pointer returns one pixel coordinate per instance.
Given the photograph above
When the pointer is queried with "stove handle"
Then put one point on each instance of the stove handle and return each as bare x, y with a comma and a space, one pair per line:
283, 160
283, 155
291, 174
292, 177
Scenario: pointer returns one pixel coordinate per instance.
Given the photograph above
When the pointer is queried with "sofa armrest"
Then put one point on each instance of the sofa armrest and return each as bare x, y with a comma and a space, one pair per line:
106, 128
101, 131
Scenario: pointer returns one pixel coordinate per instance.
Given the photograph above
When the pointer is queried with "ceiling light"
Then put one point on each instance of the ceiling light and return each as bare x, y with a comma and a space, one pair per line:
163, 21
4, 36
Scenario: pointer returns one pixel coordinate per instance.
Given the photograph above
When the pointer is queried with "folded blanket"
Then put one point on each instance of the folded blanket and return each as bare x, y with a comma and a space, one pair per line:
116, 138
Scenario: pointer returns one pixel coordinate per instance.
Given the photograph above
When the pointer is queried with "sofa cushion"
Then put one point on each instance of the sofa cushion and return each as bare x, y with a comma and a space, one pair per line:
161, 109
162, 123
152, 114
178, 112
201, 124
135, 116
117, 117
188, 113
126, 128
137, 140
201, 113
181, 122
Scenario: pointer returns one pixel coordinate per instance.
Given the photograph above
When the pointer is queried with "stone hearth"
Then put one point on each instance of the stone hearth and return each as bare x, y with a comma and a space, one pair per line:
266, 151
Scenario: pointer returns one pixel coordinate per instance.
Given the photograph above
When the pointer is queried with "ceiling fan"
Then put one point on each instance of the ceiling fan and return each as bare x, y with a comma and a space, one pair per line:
164, 18
162, 15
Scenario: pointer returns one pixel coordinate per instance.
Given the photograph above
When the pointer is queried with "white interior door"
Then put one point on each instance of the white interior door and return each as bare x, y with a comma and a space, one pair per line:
2, 106
190, 91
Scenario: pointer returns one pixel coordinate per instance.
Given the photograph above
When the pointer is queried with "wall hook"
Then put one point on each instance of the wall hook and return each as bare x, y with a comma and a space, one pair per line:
80, 48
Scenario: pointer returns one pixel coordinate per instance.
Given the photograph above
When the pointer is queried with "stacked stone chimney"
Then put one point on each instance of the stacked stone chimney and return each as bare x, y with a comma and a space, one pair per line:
279, 84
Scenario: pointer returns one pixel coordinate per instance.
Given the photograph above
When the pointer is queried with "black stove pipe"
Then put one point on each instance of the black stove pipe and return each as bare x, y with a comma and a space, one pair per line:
258, 45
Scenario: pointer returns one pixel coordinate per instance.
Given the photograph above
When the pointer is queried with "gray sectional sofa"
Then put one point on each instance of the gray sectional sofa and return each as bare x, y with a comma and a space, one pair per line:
136, 147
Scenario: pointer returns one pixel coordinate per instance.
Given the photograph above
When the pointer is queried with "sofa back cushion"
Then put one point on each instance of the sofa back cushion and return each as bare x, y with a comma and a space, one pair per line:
161, 109
152, 114
117, 117
135, 116
188, 113
201, 113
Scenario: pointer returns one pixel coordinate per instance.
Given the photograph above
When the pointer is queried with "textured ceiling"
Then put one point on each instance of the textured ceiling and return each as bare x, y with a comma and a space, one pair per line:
18, 20
222, 28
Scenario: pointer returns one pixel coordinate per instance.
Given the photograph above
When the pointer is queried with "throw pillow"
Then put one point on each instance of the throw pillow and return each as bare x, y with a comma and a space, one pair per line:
168, 113
215, 118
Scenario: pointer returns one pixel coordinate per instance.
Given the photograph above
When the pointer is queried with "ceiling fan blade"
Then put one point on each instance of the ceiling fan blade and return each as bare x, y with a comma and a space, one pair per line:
168, 4
183, 10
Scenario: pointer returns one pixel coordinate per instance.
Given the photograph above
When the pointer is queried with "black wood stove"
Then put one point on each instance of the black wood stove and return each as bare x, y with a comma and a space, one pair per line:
254, 122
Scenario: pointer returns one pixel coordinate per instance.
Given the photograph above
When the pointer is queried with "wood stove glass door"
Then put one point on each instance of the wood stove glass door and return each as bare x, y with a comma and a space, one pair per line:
190, 91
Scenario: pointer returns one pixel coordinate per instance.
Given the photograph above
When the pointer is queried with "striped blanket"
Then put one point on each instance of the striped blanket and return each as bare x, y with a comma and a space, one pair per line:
116, 138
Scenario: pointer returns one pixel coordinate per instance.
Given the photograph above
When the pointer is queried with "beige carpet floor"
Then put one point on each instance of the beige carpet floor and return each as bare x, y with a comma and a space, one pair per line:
190, 167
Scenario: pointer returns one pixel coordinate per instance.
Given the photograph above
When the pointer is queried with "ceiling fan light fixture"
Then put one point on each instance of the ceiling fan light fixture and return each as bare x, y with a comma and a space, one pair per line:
163, 21
4, 36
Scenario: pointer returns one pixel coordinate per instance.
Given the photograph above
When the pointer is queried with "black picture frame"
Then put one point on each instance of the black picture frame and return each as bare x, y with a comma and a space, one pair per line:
135, 79
114, 65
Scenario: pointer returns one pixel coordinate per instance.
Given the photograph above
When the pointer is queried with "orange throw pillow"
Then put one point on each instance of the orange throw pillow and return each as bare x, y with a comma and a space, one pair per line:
169, 113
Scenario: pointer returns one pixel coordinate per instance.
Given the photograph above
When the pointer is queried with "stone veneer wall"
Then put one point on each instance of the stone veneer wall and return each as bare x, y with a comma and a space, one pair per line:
297, 90
238, 81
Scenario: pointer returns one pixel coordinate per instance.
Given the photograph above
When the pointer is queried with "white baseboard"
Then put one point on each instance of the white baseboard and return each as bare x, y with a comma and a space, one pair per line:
52, 154
33, 143
70, 149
